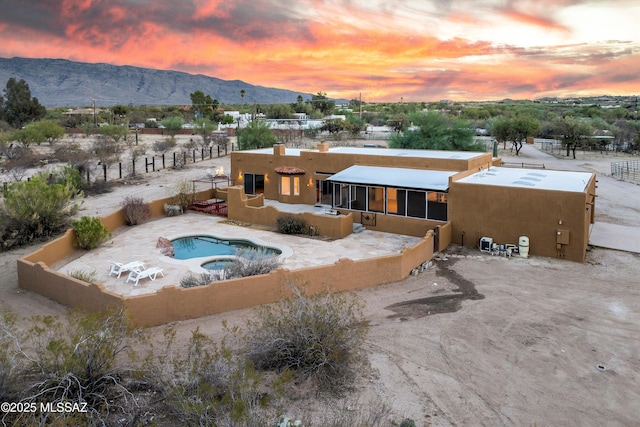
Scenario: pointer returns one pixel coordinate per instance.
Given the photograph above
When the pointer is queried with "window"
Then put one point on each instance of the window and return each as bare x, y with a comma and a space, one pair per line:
437, 206
396, 201
296, 185
285, 186
376, 199
253, 183
358, 198
416, 204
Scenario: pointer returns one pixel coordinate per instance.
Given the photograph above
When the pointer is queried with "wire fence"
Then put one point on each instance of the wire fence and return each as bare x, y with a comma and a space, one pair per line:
628, 170
137, 166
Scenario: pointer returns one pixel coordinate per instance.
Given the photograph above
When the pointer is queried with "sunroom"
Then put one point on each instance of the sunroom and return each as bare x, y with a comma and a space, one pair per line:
401, 192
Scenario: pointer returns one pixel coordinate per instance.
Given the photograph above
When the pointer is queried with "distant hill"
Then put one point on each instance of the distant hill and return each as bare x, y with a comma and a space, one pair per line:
62, 83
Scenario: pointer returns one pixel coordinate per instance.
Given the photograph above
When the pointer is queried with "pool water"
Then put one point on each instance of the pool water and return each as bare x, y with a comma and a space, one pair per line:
218, 264
204, 246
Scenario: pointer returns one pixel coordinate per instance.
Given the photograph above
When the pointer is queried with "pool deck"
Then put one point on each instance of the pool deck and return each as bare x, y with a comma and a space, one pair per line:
138, 243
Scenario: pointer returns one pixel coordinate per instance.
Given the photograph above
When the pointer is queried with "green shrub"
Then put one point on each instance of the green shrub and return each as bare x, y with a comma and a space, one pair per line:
90, 232
36, 209
288, 224
317, 336
408, 422
135, 210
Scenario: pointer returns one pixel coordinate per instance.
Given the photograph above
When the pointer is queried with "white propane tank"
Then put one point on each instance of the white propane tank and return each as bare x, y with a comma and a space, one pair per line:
523, 246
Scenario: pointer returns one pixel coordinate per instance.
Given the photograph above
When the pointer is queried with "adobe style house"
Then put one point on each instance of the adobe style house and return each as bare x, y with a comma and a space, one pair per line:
413, 191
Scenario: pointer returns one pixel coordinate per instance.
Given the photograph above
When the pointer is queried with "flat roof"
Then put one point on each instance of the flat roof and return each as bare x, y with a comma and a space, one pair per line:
541, 179
394, 177
388, 152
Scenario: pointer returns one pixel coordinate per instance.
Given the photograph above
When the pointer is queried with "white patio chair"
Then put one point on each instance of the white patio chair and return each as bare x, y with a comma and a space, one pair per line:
136, 274
118, 268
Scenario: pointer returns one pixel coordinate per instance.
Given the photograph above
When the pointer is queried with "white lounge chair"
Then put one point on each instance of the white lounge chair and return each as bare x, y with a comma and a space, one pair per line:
118, 268
135, 275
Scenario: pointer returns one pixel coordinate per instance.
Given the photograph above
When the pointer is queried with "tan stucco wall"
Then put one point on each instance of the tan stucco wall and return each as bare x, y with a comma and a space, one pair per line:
251, 209
506, 213
174, 303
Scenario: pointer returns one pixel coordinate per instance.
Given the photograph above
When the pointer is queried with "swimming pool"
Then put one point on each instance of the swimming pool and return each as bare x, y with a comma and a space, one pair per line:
206, 246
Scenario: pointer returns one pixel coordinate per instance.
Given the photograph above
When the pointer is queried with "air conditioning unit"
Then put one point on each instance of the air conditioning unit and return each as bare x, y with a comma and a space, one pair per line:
485, 244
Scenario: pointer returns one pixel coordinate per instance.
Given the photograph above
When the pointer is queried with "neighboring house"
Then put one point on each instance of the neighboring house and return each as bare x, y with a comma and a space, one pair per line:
414, 191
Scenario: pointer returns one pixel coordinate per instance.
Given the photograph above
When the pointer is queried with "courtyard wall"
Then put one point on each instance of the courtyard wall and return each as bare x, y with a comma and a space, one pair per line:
174, 303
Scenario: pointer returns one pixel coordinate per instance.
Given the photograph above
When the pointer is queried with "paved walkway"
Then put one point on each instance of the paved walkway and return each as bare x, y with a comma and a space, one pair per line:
614, 236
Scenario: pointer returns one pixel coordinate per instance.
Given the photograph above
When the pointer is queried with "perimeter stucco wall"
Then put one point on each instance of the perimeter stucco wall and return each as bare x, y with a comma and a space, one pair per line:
506, 213
318, 164
173, 303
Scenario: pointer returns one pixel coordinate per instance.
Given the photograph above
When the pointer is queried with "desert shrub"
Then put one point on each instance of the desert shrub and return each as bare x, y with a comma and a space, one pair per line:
251, 262
288, 224
85, 276
208, 385
36, 209
190, 281
73, 362
164, 145
135, 210
354, 412
318, 337
90, 232
11, 364
183, 194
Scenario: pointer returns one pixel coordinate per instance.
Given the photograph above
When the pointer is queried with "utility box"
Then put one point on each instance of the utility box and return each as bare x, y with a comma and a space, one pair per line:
562, 237
485, 244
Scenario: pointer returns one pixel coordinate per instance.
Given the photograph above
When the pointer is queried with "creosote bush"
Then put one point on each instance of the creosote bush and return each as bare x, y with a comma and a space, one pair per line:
190, 281
90, 232
183, 194
85, 276
74, 363
288, 224
318, 337
135, 210
251, 262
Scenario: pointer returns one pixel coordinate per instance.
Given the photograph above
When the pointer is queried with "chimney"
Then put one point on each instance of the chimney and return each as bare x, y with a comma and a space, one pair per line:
323, 147
279, 149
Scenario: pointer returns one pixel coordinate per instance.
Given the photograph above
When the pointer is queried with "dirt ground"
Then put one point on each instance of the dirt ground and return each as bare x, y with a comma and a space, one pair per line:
477, 340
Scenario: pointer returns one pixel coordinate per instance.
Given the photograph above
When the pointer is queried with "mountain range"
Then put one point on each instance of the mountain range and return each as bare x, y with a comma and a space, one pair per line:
63, 83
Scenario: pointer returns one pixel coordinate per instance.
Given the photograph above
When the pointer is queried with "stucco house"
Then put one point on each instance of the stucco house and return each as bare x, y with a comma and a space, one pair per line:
414, 191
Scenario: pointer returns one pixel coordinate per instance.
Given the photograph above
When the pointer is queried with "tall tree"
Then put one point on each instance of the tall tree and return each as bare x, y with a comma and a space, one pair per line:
515, 129
17, 107
172, 125
203, 105
257, 135
435, 131
322, 103
573, 133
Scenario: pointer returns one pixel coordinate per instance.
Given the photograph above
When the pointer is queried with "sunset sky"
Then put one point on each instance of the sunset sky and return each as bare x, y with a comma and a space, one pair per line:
417, 50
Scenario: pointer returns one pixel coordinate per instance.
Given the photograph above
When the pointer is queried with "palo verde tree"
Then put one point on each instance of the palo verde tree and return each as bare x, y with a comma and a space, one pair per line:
172, 125
257, 134
435, 131
17, 107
